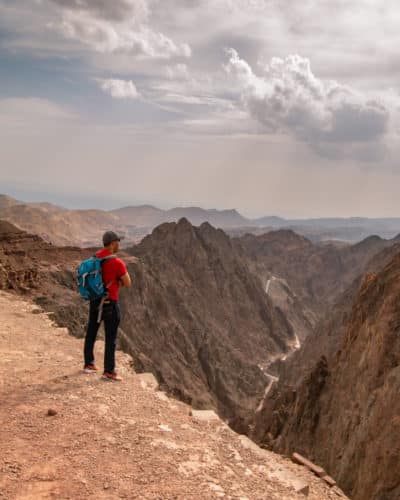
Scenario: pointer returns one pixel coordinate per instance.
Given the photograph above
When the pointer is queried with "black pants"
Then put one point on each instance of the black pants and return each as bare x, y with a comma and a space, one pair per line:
111, 317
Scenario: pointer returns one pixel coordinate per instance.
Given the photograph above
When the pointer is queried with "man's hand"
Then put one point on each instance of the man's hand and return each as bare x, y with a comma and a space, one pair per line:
125, 280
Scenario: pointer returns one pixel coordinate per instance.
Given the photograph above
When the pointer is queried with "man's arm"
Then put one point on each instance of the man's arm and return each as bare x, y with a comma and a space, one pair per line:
125, 280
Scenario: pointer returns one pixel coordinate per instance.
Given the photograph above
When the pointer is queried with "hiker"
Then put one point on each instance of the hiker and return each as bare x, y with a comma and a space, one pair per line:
106, 308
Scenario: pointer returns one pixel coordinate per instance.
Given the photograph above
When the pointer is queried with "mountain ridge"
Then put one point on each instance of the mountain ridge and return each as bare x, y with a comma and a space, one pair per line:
203, 292
137, 221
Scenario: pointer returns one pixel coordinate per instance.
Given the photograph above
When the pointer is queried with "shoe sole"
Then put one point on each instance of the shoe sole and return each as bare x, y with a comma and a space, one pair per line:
89, 371
111, 379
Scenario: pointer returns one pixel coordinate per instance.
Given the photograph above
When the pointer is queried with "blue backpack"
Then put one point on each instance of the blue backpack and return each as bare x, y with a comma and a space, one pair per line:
90, 279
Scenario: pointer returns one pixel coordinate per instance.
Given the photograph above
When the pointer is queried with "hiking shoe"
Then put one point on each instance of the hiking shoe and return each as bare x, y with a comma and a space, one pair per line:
90, 369
111, 376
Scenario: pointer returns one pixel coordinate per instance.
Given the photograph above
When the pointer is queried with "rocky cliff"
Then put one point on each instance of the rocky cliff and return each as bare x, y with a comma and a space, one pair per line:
46, 273
317, 274
198, 318
344, 411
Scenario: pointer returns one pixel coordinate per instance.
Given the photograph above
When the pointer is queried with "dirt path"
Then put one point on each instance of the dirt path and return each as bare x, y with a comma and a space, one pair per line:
114, 440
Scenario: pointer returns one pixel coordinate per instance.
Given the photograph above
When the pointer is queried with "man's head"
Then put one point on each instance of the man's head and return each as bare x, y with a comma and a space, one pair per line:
111, 241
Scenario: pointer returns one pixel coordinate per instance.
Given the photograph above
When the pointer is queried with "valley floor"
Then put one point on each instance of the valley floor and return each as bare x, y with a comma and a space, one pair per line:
115, 440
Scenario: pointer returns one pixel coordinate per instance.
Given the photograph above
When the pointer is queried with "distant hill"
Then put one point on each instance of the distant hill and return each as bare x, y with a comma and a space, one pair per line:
143, 215
63, 226
217, 218
272, 220
60, 226
341, 228
7, 201
149, 216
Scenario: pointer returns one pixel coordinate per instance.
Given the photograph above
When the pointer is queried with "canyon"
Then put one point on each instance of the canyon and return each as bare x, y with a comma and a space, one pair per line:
289, 340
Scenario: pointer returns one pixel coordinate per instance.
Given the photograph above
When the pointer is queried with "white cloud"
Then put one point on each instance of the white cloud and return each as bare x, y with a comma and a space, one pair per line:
178, 71
289, 98
120, 89
105, 9
118, 27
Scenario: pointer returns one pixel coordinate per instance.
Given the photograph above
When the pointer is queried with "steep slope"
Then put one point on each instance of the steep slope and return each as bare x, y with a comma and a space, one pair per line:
103, 440
7, 201
350, 390
61, 226
45, 273
301, 318
317, 274
199, 319
279, 258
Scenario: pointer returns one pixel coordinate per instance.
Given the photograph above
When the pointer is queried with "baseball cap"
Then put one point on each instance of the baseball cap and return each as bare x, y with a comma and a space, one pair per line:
109, 237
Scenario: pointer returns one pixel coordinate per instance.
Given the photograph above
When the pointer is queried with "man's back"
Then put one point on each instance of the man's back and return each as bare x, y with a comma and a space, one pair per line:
112, 271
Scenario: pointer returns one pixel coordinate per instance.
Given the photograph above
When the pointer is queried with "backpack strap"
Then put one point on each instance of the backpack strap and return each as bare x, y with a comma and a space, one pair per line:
105, 296
100, 310
108, 257
103, 259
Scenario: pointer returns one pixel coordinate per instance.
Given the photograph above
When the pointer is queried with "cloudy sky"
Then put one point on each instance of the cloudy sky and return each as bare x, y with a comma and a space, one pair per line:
268, 106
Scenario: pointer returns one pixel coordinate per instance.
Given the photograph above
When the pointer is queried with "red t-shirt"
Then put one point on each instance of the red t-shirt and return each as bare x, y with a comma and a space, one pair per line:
112, 270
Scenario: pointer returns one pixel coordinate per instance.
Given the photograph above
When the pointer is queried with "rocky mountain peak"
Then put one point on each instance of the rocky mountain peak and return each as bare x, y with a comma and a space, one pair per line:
368, 242
203, 305
184, 241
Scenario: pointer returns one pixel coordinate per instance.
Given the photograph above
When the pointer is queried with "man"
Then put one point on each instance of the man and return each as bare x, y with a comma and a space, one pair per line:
115, 274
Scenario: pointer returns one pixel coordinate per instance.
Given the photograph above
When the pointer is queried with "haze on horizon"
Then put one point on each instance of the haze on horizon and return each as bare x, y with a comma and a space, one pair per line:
255, 105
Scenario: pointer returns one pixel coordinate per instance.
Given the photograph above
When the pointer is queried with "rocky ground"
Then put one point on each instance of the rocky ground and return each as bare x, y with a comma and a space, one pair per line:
110, 440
